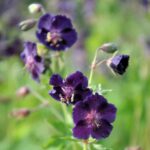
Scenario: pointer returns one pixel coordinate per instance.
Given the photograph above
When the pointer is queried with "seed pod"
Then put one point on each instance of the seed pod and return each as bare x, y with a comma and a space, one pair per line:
27, 24
109, 47
35, 8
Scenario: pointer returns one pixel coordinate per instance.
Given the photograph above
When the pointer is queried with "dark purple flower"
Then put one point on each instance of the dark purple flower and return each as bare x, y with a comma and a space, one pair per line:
71, 90
33, 62
56, 32
119, 63
93, 117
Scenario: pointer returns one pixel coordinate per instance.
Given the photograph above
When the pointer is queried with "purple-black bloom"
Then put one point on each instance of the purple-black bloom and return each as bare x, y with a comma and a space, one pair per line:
119, 63
56, 32
33, 62
70, 90
93, 117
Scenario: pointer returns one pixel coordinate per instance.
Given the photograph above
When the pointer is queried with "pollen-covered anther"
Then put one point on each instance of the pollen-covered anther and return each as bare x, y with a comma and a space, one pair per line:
48, 37
53, 39
97, 124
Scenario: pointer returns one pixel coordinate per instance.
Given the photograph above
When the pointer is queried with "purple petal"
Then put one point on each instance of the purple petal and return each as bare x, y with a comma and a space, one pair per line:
81, 94
56, 80
119, 63
107, 112
45, 22
55, 93
77, 79
42, 35
80, 111
60, 23
102, 131
81, 130
95, 100
35, 75
69, 36
30, 49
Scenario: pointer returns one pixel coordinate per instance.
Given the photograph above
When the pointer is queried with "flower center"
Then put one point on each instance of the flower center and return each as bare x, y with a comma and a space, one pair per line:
30, 63
92, 119
54, 39
67, 94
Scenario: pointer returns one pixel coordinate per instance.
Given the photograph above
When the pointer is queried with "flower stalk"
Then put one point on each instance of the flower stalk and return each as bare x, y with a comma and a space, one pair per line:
93, 66
85, 146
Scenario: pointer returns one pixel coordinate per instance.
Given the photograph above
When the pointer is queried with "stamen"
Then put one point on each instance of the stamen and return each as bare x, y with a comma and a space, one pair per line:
60, 40
48, 37
51, 44
57, 45
55, 41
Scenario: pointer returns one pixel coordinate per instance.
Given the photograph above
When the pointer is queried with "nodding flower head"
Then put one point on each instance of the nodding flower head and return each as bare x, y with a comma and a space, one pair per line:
119, 63
56, 32
70, 90
93, 117
33, 62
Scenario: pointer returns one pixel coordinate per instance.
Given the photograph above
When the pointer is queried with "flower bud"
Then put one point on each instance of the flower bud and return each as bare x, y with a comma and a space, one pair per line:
35, 8
23, 91
109, 47
27, 24
20, 113
133, 148
118, 63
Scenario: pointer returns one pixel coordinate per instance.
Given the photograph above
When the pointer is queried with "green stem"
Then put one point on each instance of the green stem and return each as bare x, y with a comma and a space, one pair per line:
42, 99
101, 62
93, 65
43, 11
85, 146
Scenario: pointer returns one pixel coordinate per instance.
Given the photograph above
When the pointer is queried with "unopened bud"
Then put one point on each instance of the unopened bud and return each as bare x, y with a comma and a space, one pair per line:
35, 8
27, 24
20, 113
109, 47
119, 63
134, 148
23, 91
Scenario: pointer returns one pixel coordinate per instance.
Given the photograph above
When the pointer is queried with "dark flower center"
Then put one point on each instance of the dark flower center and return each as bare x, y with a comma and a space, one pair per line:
54, 38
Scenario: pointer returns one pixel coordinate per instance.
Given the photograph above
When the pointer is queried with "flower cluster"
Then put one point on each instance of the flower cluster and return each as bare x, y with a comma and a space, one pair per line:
56, 32
92, 113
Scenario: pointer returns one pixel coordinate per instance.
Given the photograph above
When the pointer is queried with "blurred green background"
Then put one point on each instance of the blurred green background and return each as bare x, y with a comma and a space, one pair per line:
125, 22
